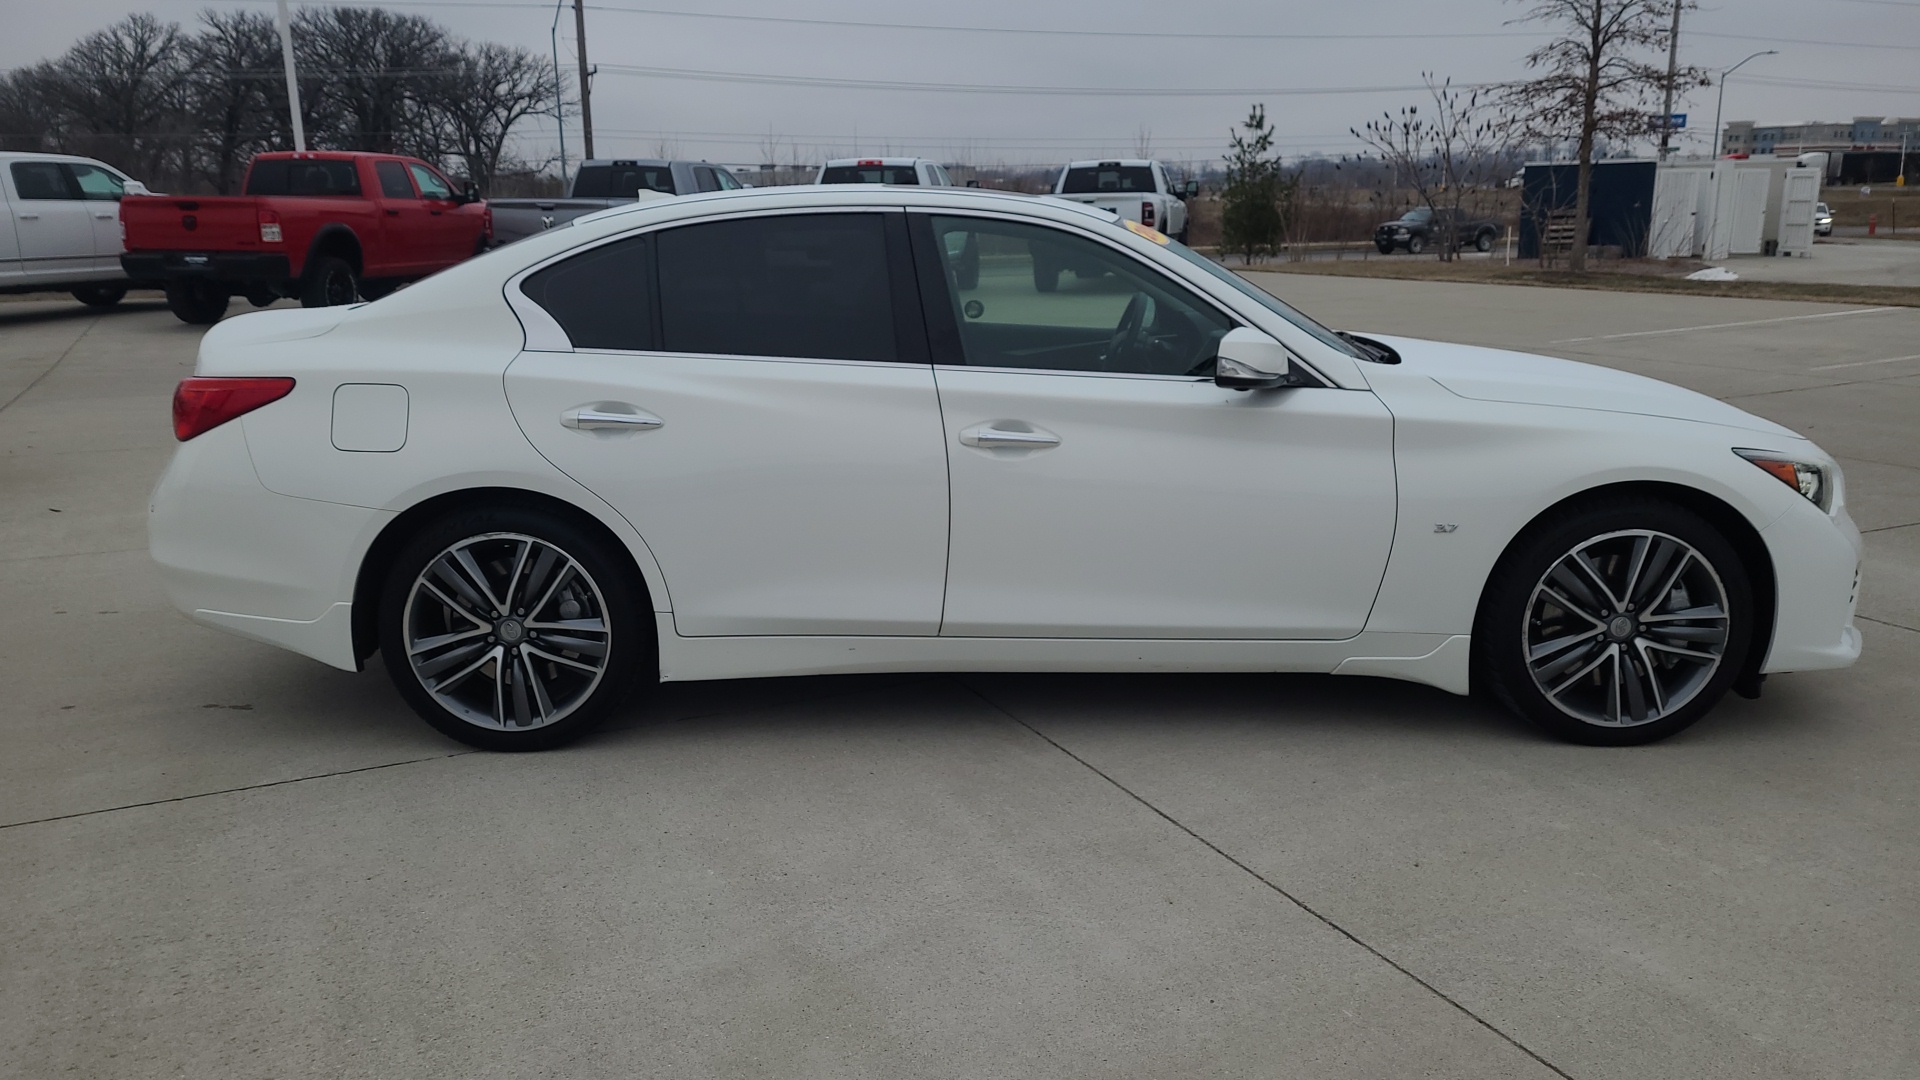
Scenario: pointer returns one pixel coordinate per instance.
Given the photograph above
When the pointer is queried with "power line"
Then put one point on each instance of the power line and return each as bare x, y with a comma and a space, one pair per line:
1822, 84
995, 88
1803, 41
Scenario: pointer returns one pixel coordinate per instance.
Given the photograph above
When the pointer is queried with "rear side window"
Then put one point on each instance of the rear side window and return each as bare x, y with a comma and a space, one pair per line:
602, 298
1094, 179
812, 286
870, 174
622, 181
393, 179
42, 180
311, 178
704, 179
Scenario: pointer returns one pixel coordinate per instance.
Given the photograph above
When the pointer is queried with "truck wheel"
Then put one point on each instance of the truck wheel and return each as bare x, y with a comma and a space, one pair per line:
1383, 247
375, 288
330, 282
1416, 245
100, 295
1483, 242
196, 302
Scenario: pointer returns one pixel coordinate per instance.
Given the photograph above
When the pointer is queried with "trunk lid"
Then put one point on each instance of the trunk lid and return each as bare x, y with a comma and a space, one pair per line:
191, 223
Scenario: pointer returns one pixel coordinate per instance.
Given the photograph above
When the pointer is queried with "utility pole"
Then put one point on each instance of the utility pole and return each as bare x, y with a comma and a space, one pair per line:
285, 24
1673, 72
559, 97
586, 86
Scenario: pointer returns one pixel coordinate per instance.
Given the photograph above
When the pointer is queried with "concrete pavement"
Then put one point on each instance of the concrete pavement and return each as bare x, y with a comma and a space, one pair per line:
221, 860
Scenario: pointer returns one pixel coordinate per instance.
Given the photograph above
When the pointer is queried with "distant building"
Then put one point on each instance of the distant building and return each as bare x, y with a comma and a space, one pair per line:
1864, 133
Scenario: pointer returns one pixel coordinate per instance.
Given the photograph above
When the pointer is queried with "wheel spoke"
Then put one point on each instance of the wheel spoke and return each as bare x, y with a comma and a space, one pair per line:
448, 573
559, 579
1571, 584
568, 643
1583, 672
1708, 635
464, 558
1693, 614
428, 644
1625, 670
1656, 567
558, 659
522, 712
1548, 648
1636, 564
500, 688
1613, 684
1653, 680
1660, 595
576, 626
457, 677
451, 658
1691, 654
541, 699
1597, 579
1560, 600
513, 579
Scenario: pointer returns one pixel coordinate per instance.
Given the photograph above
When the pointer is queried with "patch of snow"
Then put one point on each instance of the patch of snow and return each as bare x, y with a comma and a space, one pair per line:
1713, 273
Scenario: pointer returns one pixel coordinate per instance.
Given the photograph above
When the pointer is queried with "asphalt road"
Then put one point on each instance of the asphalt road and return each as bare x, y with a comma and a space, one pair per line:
219, 860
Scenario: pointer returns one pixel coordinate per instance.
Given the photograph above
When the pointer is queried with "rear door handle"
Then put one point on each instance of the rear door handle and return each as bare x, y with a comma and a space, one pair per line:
609, 418
392, 212
29, 217
1003, 435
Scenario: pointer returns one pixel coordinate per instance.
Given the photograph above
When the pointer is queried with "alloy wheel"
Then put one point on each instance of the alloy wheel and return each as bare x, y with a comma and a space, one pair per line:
506, 631
1627, 628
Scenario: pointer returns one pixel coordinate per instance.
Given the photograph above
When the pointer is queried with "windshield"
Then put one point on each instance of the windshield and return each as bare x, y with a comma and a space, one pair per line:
1422, 213
870, 174
1264, 298
622, 181
1094, 179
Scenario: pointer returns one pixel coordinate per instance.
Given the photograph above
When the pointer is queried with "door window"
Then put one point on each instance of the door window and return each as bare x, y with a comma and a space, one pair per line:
393, 179
813, 286
42, 180
704, 179
97, 184
431, 186
727, 182
602, 298
1027, 296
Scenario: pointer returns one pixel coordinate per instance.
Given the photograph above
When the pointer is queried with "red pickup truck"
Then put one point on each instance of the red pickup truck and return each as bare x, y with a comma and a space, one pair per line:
327, 227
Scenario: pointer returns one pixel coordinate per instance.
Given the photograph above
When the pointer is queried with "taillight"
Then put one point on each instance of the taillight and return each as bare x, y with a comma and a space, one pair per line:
202, 404
269, 227
1146, 213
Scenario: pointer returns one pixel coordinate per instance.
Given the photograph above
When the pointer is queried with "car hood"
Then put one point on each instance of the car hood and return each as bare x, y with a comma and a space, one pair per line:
1483, 374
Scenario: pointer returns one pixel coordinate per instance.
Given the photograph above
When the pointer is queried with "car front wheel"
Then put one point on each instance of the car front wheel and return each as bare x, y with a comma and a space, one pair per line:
1617, 625
512, 629
1416, 245
1483, 242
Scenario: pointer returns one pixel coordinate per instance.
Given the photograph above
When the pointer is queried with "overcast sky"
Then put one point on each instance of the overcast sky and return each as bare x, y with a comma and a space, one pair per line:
1838, 58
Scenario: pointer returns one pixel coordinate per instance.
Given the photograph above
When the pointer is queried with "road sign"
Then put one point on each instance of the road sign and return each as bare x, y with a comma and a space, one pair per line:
1677, 121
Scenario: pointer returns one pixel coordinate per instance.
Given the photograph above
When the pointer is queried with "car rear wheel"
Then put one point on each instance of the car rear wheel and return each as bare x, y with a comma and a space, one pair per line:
1416, 245
100, 295
1618, 624
330, 282
196, 302
1484, 241
510, 629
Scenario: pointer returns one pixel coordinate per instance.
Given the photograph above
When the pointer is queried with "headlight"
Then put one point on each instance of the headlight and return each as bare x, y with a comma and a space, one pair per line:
1806, 478
1399, 232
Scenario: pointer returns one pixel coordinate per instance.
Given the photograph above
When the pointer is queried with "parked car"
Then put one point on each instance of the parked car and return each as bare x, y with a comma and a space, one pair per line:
1131, 190
764, 433
1822, 219
1422, 227
910, 171
60, 226
602, 184
324, 226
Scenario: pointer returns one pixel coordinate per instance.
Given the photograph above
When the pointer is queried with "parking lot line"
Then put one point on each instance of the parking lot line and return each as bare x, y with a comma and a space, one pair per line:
1723, 326
1865, 363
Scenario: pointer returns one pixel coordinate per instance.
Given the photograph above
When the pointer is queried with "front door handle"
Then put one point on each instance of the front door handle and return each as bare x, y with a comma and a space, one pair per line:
609, 418
1003, 435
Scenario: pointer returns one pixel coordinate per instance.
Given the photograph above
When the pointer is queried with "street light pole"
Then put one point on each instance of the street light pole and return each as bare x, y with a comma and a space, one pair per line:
285, 25
1723, 95
586, 78
559, 99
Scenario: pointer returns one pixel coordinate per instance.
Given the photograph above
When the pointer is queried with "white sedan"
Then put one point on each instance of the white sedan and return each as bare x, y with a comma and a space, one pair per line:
782, 432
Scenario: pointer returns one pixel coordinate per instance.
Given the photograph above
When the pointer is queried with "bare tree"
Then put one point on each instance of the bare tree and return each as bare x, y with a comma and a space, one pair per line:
490, 91
1143, 142
1449, 157
240, 111
378, 69
1600, 79
122, 93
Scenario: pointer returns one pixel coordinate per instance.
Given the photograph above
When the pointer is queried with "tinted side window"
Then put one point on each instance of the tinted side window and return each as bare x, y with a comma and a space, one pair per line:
622, 181
97, 184
311, 178
813, 286
602, 298
1027, 296
431, 184
870, 174
393, 179
41, 180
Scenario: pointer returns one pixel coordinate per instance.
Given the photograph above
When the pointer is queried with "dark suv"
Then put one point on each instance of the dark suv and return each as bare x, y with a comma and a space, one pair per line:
1419, 228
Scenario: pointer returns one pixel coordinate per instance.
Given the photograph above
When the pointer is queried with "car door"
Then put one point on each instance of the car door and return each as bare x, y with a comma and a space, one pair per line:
1103, 486
102, 191
753, 394
450, 234
406, 229
9, 244
53, 224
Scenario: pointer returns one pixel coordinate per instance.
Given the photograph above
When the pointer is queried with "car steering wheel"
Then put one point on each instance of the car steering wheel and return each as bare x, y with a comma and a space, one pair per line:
1131, 334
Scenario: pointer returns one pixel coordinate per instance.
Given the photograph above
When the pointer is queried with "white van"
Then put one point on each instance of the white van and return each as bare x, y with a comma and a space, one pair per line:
60, 226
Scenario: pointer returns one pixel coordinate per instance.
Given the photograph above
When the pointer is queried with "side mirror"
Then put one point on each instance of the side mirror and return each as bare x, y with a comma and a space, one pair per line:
135, 187
471, 193
1189, 189
973, 183
1250, 360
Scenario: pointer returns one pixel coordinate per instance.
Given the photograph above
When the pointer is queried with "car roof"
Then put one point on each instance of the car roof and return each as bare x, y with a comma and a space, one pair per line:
851, 195
1123, 162
652, 162
34, 155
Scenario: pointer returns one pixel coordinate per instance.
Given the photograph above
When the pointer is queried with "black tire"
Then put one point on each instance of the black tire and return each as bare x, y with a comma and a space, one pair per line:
1383, 247
1518, 617
102, 296
196, 302
1484, 241
376, 288
1416, 244
330, 282
600, 579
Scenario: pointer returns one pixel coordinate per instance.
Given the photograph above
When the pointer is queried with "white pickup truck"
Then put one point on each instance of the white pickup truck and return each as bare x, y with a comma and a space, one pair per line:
60, 226
1135, 190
